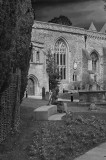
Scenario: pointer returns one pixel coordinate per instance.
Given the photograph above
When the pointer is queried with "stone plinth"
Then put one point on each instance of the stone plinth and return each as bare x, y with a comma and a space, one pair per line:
96, 97
44, 112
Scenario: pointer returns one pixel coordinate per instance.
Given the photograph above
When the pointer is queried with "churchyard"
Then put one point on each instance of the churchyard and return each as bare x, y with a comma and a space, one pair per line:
77, 132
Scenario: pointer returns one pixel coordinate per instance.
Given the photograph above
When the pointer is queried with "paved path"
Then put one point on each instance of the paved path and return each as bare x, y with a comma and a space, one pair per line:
56, 117
98, 153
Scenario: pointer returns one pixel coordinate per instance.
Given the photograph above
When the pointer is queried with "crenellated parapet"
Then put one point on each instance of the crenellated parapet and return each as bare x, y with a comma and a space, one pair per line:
68, 29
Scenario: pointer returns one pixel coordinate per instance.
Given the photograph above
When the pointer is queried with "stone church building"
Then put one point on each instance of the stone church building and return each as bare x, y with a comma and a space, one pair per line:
76, 51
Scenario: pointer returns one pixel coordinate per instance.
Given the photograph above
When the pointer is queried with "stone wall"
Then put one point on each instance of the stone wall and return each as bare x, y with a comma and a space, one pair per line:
40, 76
78, 48
10, 106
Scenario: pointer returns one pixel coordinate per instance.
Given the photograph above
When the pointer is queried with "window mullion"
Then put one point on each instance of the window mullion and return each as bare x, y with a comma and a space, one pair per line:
59, 55
60, 51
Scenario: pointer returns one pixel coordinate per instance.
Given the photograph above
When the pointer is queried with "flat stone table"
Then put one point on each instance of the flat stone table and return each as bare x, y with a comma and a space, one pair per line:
88, 97
44, 112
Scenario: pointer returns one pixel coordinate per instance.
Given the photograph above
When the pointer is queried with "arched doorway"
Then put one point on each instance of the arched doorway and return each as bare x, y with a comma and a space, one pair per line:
31, 87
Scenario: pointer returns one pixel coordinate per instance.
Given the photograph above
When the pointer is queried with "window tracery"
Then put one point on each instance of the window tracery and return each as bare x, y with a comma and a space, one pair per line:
60, 52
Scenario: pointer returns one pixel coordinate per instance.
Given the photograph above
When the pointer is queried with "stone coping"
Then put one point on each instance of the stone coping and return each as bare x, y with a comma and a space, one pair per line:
68, 29
102, 91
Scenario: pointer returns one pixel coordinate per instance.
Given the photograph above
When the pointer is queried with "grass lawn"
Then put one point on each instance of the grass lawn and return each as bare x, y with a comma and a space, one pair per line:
54, 140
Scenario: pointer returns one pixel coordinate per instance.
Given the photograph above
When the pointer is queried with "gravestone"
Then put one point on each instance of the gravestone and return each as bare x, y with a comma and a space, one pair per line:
43, 93
47, 96
65, 107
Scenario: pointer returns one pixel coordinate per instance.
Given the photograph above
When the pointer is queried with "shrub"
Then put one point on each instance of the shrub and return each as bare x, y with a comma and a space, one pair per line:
55, 95
53, 71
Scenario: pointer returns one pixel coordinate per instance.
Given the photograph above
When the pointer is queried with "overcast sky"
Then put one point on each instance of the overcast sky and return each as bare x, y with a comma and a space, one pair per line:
80, 12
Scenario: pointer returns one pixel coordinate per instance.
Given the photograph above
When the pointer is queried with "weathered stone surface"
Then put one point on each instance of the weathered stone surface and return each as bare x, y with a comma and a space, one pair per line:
45, 36
65, 107
56, 117
96, 97
44, 112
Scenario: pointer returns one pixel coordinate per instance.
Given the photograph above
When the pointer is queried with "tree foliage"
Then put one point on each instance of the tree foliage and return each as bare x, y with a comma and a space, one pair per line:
77, 85
86, 80
6, 27
61, 20
53, 71
16, 21
24, 27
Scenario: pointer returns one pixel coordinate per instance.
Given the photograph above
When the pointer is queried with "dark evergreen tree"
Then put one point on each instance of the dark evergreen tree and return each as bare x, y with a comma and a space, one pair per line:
23, 40
16, 20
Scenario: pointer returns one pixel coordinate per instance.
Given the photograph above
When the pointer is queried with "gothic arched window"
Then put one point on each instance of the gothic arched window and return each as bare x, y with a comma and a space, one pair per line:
60, 51
94, 58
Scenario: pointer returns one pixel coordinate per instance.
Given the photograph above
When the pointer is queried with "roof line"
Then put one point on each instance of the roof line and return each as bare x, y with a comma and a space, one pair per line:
66, 26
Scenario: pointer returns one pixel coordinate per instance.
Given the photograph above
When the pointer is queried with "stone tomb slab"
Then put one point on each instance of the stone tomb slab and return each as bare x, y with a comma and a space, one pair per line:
44, 112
